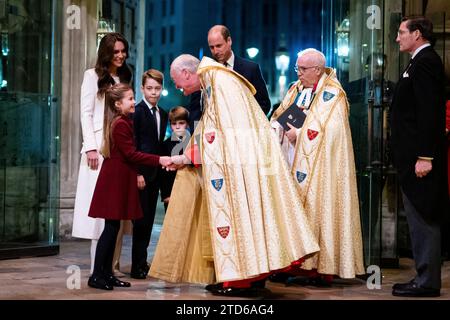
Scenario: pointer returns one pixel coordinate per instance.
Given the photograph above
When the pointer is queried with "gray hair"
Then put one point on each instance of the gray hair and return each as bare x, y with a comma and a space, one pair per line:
185, 62
319, 57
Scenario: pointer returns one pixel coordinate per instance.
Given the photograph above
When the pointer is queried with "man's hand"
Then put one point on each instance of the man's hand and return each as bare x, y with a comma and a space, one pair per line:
92, 159
140, 182
423, 167
179, 160
165, 162
291, 134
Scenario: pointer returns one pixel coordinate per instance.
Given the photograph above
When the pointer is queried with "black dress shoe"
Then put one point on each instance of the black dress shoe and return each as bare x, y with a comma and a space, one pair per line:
138, 274
260, 284
309, 281
113, 281
280, 277
414, 290
403, 285
99, 283
215, 286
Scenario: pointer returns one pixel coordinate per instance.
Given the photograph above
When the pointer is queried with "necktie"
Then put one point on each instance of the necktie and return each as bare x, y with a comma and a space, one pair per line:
405, 73
155, 120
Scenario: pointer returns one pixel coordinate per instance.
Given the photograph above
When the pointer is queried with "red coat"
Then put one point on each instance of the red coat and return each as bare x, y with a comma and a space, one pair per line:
116, 194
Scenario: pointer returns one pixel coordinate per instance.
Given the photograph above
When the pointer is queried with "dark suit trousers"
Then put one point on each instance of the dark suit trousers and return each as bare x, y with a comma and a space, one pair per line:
426, 247
142, 228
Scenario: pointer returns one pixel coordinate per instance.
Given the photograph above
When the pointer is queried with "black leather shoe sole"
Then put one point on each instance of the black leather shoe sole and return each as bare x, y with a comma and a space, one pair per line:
417, 292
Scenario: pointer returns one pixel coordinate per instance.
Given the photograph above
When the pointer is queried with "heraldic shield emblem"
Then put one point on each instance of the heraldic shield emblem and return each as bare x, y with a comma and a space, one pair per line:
210, 137
301, 176
224, 231
327, 96
312, 134
217, 184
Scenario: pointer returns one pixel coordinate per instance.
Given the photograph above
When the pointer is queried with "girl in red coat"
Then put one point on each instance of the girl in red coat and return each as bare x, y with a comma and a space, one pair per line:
116, 194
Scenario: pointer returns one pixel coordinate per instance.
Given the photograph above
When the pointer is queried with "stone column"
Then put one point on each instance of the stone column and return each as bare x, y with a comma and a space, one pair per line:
78, 54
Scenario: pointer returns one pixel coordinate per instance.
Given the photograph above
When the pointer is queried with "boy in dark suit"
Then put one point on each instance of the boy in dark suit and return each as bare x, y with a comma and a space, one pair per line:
179, 123
150, 122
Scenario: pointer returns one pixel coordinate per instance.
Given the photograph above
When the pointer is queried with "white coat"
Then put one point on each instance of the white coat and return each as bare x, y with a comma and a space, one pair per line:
91, 116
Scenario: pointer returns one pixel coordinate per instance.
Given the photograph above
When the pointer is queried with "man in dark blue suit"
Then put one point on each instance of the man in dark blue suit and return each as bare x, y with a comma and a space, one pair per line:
419, 153
219, 41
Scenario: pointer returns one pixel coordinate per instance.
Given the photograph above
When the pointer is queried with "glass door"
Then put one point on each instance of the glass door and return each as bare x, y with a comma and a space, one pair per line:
29, 122
358, 38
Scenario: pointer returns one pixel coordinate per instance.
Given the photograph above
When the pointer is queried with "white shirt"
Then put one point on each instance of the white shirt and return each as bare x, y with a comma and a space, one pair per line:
230, 61
420, 48
158, 118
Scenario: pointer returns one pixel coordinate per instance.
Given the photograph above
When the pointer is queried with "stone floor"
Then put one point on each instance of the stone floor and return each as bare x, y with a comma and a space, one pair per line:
56, 277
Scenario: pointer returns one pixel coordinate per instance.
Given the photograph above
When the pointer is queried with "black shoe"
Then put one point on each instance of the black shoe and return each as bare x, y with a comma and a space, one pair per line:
99, 283
215, 286
138, 274
113, 281
281, 277
260, 284
402, 285
309, 281
414, 290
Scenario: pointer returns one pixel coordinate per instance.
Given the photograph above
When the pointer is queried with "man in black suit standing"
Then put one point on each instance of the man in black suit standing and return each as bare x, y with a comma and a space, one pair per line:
219, 42
418, 147
149, 123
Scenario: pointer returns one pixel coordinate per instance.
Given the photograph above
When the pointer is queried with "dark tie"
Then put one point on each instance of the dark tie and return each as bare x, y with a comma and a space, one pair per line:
155, 120
409, 65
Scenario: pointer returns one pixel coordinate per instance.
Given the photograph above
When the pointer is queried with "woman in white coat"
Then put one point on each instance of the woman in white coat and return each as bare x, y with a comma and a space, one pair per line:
110, 68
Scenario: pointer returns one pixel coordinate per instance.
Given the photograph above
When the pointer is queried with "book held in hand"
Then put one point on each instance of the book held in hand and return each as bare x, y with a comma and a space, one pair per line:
293, 115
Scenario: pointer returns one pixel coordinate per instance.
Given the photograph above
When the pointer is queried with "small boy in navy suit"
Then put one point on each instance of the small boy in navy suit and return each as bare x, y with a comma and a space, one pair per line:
175, 145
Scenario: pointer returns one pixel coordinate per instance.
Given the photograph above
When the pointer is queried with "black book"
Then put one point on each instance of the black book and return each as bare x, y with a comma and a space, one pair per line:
293, 115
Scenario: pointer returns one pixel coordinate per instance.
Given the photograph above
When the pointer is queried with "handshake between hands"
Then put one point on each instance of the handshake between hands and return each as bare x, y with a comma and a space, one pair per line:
173, 163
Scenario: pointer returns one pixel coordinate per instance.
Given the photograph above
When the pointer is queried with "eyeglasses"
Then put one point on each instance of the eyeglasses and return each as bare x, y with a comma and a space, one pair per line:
302, 69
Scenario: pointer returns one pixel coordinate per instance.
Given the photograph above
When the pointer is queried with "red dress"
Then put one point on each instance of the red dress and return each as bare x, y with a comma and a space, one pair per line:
116, 195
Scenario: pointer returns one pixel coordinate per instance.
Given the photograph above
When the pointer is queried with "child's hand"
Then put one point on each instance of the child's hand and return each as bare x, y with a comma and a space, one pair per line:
140, 182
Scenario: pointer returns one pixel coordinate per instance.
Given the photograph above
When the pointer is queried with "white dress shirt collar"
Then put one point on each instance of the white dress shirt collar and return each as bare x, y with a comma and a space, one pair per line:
420, 48
158, 118
230, 61
149, 105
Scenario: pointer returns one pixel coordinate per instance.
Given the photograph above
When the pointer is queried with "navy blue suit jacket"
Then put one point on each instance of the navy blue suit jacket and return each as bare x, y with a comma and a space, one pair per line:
145, 135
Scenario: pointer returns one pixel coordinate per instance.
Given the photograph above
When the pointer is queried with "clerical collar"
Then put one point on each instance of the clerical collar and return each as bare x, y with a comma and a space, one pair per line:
420, 48
149, 105
306, 97
230, 61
